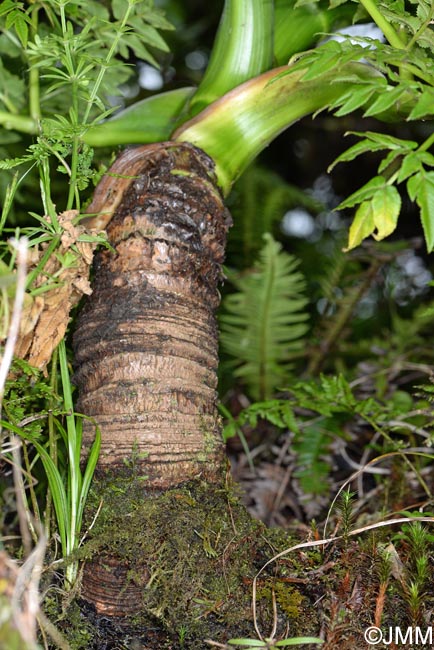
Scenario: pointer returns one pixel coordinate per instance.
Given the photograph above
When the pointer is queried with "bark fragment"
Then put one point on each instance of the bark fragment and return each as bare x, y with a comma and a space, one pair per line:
64, 280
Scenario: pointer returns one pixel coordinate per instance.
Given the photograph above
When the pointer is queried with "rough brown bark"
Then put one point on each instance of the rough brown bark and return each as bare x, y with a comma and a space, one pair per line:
146, 341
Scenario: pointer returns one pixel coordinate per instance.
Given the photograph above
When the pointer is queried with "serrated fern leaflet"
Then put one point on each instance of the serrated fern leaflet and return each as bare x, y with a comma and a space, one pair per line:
264, 322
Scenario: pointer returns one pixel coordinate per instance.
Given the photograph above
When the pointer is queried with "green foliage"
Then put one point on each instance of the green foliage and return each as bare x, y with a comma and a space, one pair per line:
27, 391
257, 203
404, 86
379, 201
63, 66
60, 458
77, 57
263, 324
416, 541
84, 59
317, 412
345, 509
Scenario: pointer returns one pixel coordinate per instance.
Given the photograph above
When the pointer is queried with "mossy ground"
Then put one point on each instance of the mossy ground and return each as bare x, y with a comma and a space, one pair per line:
193, 552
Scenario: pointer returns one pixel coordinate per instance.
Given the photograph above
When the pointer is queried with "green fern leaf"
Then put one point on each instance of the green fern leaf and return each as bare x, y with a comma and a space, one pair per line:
262, 325
313, 467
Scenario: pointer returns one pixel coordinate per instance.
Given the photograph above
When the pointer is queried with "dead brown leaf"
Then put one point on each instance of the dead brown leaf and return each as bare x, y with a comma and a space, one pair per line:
45, 316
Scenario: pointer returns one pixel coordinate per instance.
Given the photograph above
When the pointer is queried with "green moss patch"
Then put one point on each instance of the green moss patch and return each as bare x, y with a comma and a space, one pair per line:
192, 553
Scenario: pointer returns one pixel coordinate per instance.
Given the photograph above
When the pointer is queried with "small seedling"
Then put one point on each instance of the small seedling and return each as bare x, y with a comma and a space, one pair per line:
346, 514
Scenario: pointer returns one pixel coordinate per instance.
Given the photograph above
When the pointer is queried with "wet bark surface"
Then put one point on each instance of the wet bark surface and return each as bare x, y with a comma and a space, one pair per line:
146, 341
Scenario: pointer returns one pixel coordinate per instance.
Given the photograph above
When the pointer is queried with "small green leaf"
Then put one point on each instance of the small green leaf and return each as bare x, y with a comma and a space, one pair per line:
365, 146
421, 189
386, 205
388, 141
149, 34
325, 63
8, 5
410, 165
363, 225
364, 193
140, 50
388, 97
157, 19
22, 30
119, 8
355, 99
301, 640
424, 106
11, 18
252, 643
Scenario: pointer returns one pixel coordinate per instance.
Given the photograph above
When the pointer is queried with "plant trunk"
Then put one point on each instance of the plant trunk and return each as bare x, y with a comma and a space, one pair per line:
146, 341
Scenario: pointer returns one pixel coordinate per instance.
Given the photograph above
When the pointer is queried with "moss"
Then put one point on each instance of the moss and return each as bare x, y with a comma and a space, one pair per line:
289, 599
193, 550
192, 554
78, 631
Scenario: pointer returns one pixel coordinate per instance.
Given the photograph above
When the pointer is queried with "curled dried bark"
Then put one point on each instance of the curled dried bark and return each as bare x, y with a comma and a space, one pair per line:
45, 316
146, 341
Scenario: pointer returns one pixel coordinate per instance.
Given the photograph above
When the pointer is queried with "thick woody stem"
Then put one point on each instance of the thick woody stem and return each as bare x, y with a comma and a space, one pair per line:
146, 341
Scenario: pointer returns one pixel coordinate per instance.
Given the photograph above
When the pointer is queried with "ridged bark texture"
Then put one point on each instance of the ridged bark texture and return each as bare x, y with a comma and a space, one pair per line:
146, 340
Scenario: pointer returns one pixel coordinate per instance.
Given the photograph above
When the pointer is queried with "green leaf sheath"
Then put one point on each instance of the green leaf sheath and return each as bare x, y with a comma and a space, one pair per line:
243, 49
21, 123
297, 28
237, 127
151, 120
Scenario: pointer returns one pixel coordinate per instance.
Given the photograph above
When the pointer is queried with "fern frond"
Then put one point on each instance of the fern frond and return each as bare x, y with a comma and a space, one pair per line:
312, 448
262, 325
